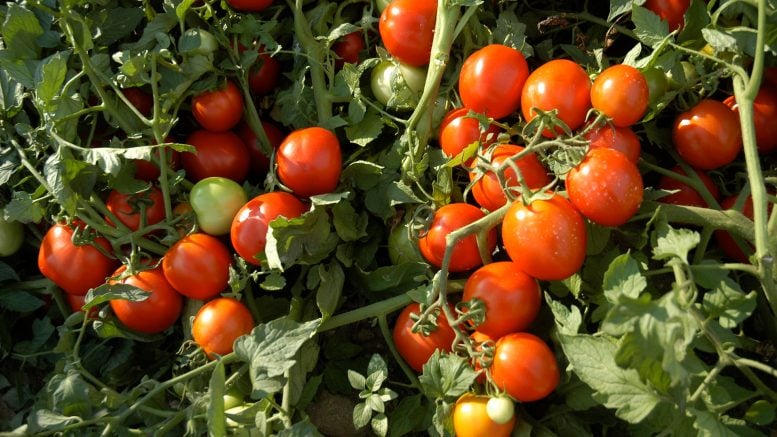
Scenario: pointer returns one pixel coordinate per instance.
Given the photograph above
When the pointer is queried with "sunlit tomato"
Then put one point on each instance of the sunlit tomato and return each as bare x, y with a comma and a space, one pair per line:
197, 266
11, 236
671, 11
512, 298
218, 110
347, 48
686, 195
407, 29
219, 323
622, 139
491, 80
264, 74
465, 254
621, 93
252, 221
606, 187
457, 131
157, 312
260, 163
416, 348
397, 86
657, 83
488, 191
141, 100
309, 161
707, 136
524, 367
764, 118
73, 268
546, 239
471, 419
249, 5
558, 84
725, 241
146, 207
215, 201
217, 154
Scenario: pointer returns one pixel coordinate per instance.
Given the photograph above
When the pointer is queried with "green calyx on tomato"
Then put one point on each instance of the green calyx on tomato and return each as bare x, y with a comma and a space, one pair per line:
397, 86
215, 201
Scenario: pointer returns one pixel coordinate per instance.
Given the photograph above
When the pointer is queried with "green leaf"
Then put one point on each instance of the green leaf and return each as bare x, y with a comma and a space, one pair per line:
408, 416
446, 375
217, 424
273, 282
719, 40
377, 365
50, 77
382, 200
593, 360
392, 279
108, 292
270, 350
330, 287
48, 420
709, 425
307, 239
623, 277
669, 242
510, 31
367, 130
375, 380
361, 415
761, 412
303, 428
618, 8
19, 301
357, 380
696, 19
362, 174
70, 394
380, 425
20, 32
568, 320
648, 27
42, 330
349, 224
7, 273
117, 24
11, 97
729, 303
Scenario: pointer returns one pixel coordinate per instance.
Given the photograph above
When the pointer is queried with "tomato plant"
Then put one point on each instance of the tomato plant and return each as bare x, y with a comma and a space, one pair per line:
249, 5
707, 136
657, 82
309, 161
197, 266
606, 187
215, 201
524, 367
220, 109
137, 209
260, 163
489, 191
348, 48
726, 241
622, 139
685, 194
621, 93
457, 131
407, 29
560, 85
263, 77
491, 80
465, 254
11, 236
402, 245
251, 223
217, 154
471, 418
546, 238
764, 114
148, 170
219, 323
157, 312
397, 85
415, 347
671, 11
512, 298
141, 100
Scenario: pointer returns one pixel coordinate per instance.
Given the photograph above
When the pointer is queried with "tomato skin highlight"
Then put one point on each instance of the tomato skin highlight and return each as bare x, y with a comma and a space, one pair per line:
558, 84
488, 191
525, 367
407, 30
707, 136
249, 227
512, 298
218, 110
471, 419
546, 239
686, 195
126, 207
606, 187
491, 80
154, 314
622, 139
764, 116
465, 254
621, 93
415, 348
309, 161
218, 154
197, 266
219, 323
73, 268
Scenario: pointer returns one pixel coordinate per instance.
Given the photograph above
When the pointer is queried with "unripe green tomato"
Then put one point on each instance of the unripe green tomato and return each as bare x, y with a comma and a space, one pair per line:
500, 409
233, 398
382, 4
215, 201
401, 247
397, 86
11, 236
657, 82
195, 41
688, 76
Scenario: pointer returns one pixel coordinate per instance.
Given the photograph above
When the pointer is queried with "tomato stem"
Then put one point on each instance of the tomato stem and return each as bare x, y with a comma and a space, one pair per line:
386, 332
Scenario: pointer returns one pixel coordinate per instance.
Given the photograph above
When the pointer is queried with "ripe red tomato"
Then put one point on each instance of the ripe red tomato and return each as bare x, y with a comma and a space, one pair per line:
707, 136
447, 219
219, 323
605, 187
525, 367
347, 48
416, 348
218, 110
671, 11
73, 268
488, 191
407, 29
149, 170
147, 205
260, 163
491, 80
197, 266
252, 221
264, 74
471, 419
512, 297
154, 314
769, 78
76, 303
622, 139
724, 239
249, 5
686, 195
458, 131
546, 239
764, 116
621, 93
218, 154
558, 84
309, 161
141, 100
